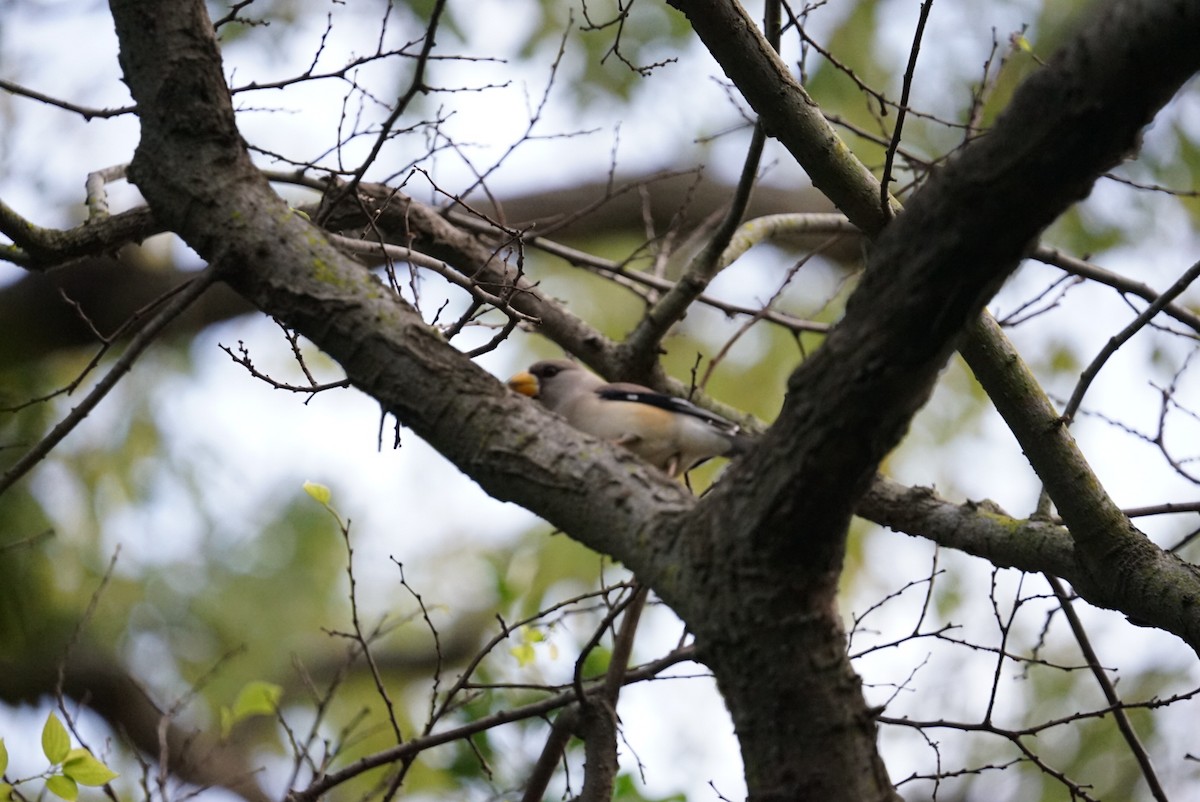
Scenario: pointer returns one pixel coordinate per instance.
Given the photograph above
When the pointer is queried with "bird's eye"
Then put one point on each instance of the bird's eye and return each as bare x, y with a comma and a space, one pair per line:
550, 371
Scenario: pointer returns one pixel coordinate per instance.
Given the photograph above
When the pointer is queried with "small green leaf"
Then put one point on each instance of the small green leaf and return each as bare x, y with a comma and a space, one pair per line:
524, 654
526, 638
63, 787
82, 767
597, 661
258, 698
320, 493
3, 762
5, 792
55, 741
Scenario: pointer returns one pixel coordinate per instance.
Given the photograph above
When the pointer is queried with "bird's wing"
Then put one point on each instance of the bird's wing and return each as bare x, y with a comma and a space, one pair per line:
636, 393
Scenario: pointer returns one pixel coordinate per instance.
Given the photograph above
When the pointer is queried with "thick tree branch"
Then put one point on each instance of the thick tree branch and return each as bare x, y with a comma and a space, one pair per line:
785, 109
961, 234
978, 528
379, 210
397, 218
200, 182
35, 320
933, 268
777, 522
43, 248
1119, 567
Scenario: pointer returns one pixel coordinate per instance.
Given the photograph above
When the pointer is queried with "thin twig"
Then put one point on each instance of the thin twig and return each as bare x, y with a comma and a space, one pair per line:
83, 111
140, 342
533, 710
884, 200
1106, 687
1079, 267
429, 263
1119, 339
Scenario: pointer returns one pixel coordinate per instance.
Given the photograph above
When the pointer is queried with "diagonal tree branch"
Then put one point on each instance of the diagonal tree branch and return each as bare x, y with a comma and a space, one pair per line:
187, 295
961, 234
978, 528
201, 183
778, 521
964, 231
1119, 567
785, 109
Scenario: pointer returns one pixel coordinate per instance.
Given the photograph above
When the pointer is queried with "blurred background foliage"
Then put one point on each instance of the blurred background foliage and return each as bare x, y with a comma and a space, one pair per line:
177, 507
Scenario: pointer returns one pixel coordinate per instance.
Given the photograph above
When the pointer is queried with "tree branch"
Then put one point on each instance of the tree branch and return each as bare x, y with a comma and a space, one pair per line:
142, 340
978, 528
643, 343
1119, 567
201, 183
960, 235
43, 248
785, 109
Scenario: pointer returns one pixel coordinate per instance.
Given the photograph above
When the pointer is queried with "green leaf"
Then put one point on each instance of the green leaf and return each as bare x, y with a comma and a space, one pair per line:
526, 637
320, 493
63, 787
257, 698
56, 743
5, 792
3, 762
83, 767
597, 661
524, 654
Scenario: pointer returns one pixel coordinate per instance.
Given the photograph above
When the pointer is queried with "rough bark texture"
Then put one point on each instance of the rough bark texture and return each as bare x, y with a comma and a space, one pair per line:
36, 320
930, 273
1115, 565
753, 566
786, 110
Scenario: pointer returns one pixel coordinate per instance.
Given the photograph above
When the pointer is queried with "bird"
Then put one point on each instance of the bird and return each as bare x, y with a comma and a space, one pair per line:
671, 434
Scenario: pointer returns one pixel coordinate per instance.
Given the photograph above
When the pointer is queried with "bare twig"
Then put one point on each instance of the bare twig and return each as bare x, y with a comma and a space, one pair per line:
750, 233
140, 342
416, 86
1119, 339
243, 358
533, 710
884, 199
436, 265
1120, 716
83, 111
643, 342
1085, 269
